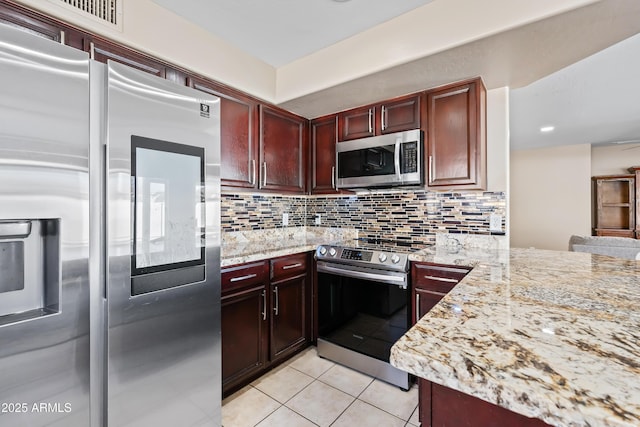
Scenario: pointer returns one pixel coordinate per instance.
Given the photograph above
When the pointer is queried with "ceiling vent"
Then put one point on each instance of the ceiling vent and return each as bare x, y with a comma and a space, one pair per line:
105, 11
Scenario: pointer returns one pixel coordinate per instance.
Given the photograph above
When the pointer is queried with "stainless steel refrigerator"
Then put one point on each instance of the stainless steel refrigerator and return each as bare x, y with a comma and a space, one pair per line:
109, 243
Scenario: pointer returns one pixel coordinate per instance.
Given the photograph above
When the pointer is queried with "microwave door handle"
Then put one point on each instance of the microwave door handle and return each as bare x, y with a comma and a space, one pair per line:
396, 160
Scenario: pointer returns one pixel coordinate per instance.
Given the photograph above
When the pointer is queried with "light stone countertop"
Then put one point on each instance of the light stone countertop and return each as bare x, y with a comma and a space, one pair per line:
548, 334
256, 245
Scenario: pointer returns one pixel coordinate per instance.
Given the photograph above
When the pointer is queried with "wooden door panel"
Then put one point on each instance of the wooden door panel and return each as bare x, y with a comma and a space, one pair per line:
356, 123
452, 153
282, 151
323, 155
400, 115
243, 319
288, 316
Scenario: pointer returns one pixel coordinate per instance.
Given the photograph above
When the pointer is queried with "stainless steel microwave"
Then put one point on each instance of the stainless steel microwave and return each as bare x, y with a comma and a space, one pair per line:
388, 160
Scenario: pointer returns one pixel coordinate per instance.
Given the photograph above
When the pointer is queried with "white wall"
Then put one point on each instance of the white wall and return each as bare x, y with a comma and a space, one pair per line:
549, 196
158, 32
498, 139
433, 28
614, 159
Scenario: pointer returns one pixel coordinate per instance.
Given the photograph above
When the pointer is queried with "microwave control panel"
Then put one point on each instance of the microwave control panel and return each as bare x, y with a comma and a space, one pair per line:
356, 255
409, 157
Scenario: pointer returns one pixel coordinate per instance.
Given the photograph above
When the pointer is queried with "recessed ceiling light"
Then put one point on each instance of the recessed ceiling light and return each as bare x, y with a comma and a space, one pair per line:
547, 128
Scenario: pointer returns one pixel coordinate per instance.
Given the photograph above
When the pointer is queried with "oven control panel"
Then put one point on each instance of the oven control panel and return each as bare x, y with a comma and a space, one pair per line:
356, 255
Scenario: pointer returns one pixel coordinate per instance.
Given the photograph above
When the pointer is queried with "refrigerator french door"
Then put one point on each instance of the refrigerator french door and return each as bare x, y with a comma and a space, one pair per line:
163, 251
109, 243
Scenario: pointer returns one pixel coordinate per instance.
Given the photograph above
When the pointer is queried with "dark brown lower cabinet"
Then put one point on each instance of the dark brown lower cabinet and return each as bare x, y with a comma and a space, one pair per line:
244, 352
444, 407
288, 325
244, 324
265, 319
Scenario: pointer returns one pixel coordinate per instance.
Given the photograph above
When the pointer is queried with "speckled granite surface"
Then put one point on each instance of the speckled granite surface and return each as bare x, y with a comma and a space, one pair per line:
241, 247
551, 335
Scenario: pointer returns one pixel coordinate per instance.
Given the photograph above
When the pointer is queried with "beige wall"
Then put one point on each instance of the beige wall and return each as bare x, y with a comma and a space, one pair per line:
435, 27
550, 196
614, 159
498, 139
152, 29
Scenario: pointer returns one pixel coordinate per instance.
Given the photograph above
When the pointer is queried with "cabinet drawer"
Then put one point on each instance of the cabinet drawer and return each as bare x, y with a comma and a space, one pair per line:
437, 278
288, 266
244, 275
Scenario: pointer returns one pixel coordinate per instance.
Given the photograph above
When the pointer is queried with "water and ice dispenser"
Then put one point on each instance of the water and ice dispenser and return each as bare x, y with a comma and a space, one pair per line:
30, 266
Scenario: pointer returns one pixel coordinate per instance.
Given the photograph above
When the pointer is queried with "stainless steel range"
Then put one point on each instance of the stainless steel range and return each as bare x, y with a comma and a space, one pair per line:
364, 304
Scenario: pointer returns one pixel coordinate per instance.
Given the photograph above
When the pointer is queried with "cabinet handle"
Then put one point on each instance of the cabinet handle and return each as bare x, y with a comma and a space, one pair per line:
383, 121
370, 120
287, 267
264, 305
241, 278
264, 174
333, 177
252, 171
417, 307
63, 37
441, 279
277, 304
92, 50
430, 169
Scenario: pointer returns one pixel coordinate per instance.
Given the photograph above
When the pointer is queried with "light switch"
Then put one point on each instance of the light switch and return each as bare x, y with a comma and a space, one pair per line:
285, 219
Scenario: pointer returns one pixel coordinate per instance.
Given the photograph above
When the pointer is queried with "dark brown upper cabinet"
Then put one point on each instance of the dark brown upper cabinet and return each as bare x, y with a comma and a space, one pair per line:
283, 151
238, 145
395, 115
323, 154
456, 136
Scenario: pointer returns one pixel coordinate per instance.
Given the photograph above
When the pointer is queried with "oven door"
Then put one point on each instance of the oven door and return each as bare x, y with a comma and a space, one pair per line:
362, 309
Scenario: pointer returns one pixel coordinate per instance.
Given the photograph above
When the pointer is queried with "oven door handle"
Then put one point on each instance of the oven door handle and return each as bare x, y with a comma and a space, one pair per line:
357, 274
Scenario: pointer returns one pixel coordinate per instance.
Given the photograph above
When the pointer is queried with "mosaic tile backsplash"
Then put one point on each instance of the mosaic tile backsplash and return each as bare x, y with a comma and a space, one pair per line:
413, 216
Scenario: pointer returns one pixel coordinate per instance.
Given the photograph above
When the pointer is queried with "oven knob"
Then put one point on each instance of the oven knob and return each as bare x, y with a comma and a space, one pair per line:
395, 258
382, 257
322, 250
332, 252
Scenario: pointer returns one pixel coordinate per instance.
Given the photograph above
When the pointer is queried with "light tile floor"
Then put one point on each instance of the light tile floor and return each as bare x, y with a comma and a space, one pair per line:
309, 391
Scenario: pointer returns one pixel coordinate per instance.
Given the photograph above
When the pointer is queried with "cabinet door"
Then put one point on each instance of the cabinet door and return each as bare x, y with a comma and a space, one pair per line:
431, 282
456, 142
323, 155
288, 316
238, 147
283, 150
356, 123
423, 301
244, 334
400, 114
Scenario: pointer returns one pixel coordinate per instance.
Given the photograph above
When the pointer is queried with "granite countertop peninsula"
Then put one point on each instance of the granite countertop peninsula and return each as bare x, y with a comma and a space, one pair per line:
547, 334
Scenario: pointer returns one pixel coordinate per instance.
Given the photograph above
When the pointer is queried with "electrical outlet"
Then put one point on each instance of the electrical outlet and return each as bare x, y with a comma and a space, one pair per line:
285, 219
495, 222
318, 219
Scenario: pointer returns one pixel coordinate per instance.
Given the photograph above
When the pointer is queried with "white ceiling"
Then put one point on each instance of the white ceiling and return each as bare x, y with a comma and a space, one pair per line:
281, 31
595, 100
591, 101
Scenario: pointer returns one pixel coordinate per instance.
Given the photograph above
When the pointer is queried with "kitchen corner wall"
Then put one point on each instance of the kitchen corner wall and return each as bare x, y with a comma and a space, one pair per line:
409, 215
